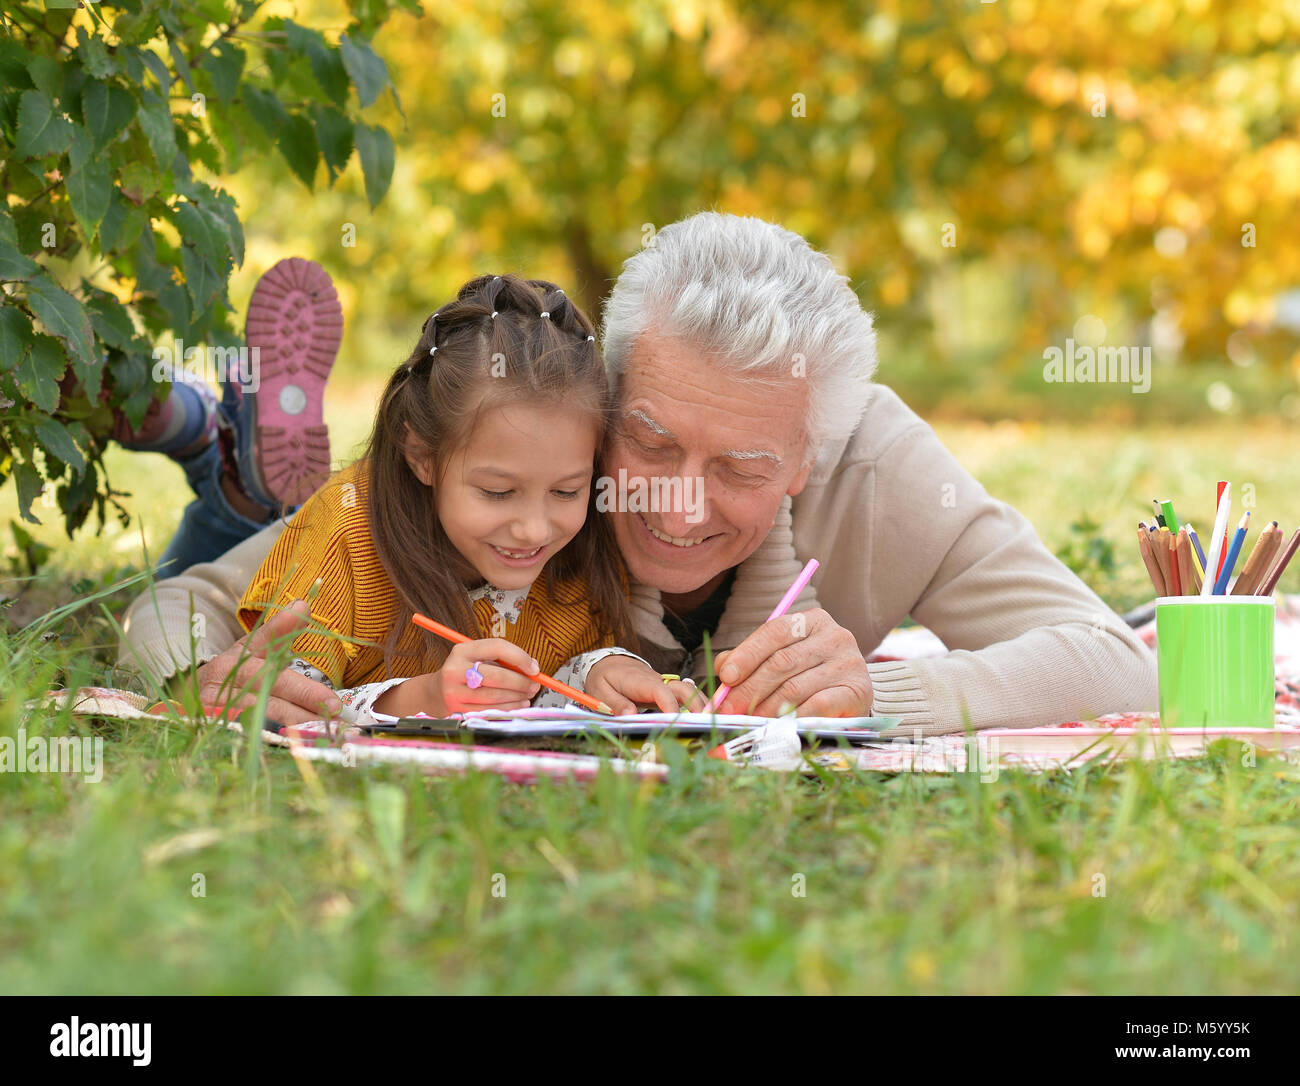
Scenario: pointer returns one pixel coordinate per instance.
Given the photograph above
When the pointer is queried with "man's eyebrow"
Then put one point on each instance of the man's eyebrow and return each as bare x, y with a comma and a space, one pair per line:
658, 428
754, 454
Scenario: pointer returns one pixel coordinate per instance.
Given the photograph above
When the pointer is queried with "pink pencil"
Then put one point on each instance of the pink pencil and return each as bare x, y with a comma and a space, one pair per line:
804, 577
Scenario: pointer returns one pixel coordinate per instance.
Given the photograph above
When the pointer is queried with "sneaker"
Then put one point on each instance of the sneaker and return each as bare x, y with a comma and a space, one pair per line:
281, 442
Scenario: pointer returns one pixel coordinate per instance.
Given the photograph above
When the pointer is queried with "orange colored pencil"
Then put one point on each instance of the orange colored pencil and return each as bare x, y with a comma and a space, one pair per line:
1185, 562
1149, 559
1275, 572
551, 684
1160, 546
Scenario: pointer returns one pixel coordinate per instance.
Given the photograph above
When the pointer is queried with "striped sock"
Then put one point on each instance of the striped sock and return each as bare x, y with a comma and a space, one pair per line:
184, 424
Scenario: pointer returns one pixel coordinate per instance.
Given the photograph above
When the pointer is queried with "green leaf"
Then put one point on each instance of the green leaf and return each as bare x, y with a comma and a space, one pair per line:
94, 55
29, 489
334, 134
156, 120
47, 74
225, 64
368, 72
15, 336
13, 65
375, 148
155, 64
266, 109
14, 265
140, 181
122, 224
89, 185
8, 232
40, 371
222, 213
203, 255
182, 64
326, 63
129, 56
63, 315
42, 129
107, 109
110, 319
55, 439
297, 143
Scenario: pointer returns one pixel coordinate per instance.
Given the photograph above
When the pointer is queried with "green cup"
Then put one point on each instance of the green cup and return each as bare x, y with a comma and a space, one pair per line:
1216, 661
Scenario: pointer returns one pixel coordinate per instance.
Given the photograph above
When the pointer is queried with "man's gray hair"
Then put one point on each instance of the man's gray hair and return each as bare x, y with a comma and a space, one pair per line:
756, 298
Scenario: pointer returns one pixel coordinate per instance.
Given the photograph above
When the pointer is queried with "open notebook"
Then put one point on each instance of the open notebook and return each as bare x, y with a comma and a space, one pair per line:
574, 721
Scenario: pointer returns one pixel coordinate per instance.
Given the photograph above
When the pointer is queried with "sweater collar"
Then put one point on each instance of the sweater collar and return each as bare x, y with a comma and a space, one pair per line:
761, 581
507, 602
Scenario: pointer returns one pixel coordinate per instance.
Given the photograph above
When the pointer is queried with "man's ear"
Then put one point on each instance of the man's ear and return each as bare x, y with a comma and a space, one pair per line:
419, 457
801, 480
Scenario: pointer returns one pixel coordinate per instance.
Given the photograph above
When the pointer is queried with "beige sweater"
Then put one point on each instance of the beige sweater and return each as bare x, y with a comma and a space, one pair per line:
900, 528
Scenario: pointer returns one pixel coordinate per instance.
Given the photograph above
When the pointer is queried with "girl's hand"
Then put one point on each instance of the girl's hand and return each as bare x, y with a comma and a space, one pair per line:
622, 683
501, 688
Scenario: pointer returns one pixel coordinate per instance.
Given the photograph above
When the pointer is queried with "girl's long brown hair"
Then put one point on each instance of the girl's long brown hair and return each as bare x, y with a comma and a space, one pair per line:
493, 347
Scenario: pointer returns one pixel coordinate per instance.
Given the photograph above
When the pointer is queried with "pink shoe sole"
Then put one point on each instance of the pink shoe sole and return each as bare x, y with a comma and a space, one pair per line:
296, 323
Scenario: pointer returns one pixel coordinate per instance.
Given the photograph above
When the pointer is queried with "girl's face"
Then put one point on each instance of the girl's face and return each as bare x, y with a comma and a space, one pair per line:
518, 492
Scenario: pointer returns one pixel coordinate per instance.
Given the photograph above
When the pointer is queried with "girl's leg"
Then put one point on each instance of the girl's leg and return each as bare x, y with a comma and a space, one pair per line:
265, 445
180, 426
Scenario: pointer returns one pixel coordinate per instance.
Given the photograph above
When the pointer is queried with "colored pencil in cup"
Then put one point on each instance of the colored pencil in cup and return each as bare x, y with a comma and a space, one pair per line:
1222, 485
1171, 521
1175, 574
1160, 516
781, 608
1149, 559
1186, 565
585, 700
1279, 565
1160, 543
1230, 563
1198, 555
1218, 543
1261, 557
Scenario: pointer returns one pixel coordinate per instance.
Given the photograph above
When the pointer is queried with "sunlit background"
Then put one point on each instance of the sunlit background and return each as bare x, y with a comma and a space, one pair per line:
993, 178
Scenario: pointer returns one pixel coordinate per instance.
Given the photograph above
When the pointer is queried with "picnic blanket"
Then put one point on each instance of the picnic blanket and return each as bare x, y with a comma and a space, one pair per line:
1073, 742
1069, 743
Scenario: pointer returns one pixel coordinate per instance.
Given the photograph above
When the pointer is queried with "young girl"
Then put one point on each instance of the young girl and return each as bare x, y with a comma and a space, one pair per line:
472, 504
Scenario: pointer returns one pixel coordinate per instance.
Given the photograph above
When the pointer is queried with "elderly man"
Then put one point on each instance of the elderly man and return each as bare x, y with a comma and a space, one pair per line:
744, 365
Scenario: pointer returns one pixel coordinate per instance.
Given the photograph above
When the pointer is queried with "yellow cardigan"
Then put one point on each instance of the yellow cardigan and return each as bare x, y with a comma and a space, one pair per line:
329, 538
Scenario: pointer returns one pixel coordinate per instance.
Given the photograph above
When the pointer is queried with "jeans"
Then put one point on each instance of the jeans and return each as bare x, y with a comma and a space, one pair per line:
210, 526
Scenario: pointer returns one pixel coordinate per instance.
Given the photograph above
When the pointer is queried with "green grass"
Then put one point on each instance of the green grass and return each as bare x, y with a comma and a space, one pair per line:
332, 880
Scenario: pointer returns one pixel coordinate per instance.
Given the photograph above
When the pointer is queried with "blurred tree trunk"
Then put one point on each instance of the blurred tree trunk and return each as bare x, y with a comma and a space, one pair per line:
593, 278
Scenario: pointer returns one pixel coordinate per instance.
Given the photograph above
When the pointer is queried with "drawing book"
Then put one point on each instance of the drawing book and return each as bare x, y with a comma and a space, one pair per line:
571, 721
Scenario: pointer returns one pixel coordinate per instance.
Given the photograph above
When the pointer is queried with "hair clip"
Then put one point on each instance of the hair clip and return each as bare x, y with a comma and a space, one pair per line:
545, 314
433, 351
494, 314
591, 339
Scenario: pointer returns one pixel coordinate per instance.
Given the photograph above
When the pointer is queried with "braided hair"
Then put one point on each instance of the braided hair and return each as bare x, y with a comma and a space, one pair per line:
504, 339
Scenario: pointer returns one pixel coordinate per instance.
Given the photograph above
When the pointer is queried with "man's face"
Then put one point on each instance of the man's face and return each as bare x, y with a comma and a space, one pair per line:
680, 416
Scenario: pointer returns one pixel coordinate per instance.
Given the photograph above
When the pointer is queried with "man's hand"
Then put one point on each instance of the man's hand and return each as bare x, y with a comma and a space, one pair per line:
295, 699
806, 660
623, 683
